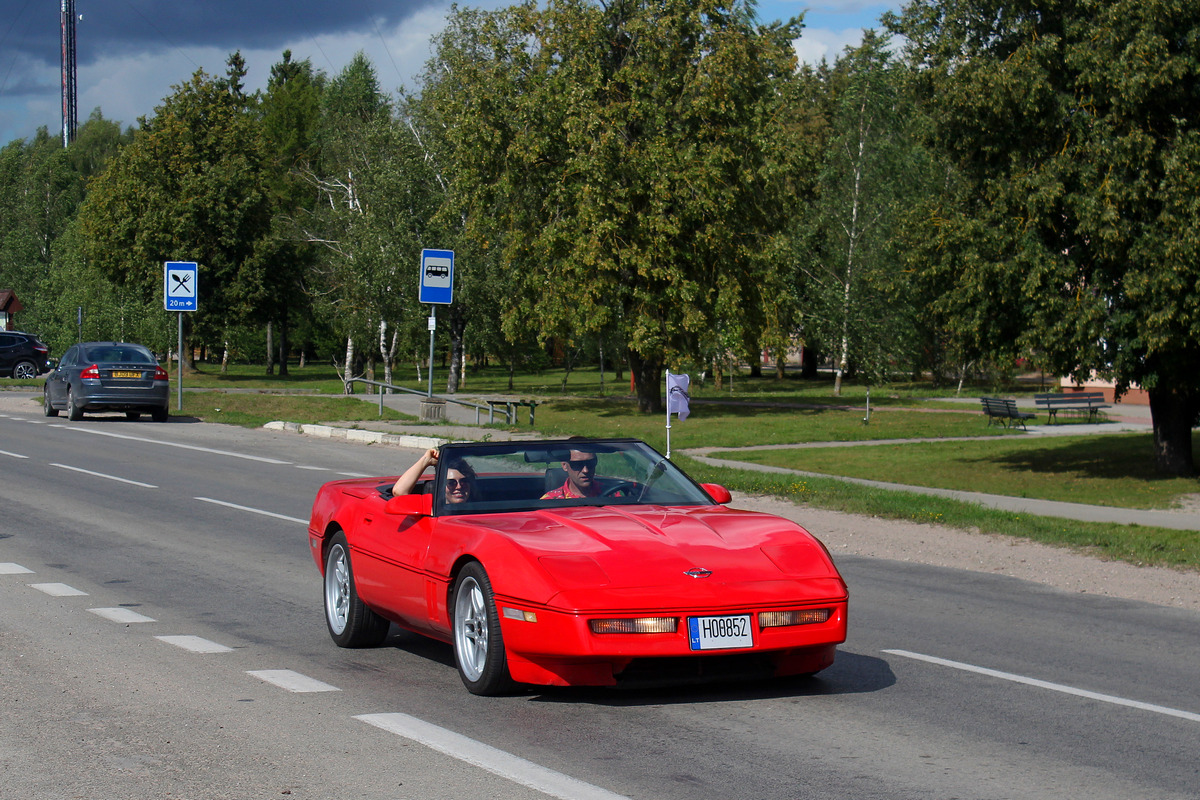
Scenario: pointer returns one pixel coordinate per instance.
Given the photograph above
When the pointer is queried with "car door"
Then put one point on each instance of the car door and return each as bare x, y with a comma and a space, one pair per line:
391, 576
8, 349
56, 381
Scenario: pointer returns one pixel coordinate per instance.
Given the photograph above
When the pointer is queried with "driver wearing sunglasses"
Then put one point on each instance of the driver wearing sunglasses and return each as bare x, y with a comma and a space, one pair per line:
581, 478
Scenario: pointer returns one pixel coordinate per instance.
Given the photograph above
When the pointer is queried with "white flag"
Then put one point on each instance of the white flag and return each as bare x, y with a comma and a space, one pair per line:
677, 395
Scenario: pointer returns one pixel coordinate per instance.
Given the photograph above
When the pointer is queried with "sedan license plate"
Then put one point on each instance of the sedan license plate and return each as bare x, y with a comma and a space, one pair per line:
720, 633
125, 373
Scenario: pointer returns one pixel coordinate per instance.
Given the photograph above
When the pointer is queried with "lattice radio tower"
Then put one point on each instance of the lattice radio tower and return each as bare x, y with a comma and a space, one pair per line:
70, 103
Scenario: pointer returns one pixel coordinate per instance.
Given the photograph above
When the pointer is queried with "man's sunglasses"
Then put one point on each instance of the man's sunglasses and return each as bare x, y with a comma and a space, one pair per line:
582, 464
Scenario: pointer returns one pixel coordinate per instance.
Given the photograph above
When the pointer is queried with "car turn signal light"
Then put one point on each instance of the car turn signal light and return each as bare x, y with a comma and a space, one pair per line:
784, 619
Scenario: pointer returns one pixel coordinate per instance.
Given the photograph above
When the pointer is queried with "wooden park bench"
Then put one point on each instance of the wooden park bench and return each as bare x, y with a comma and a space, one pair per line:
1004, 411
1091, 403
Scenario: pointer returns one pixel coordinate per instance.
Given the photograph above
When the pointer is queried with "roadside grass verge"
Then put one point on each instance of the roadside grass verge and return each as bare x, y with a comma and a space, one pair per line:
1136, 544
729, 425
1108, 470
253, 410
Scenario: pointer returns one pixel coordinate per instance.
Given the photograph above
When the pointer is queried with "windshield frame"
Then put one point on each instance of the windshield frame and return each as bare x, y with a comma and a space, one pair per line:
531, 460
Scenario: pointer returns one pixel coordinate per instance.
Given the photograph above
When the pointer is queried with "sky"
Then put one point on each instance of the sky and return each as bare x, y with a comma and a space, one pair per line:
130, 53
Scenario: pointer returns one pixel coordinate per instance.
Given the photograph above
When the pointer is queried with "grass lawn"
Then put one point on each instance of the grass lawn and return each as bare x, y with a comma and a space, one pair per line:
255, 409
1110, 470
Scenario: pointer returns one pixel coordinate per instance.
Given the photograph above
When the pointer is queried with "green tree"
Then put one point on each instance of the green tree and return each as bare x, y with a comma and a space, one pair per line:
191, 186
628, 152
1074, 126
853, 286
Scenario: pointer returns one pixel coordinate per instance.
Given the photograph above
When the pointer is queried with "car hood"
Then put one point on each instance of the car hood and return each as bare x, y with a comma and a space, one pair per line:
623, 556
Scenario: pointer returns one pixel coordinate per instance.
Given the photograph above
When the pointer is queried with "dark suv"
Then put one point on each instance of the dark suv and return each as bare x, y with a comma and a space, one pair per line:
22, 355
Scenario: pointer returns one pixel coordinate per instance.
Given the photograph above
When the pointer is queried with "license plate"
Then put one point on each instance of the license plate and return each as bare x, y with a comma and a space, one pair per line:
720, 633
124, 373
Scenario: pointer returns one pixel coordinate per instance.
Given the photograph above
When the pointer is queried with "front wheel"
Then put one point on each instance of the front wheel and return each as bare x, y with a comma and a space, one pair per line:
351, 623
478, 643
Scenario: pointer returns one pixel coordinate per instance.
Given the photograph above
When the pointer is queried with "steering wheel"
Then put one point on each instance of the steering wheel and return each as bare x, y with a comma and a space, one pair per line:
618, 487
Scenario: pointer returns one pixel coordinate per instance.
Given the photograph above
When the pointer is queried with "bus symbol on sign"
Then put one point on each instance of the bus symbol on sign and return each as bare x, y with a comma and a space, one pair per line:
437, 277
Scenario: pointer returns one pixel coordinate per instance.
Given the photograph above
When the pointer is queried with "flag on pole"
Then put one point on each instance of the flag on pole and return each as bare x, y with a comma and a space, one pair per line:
677, 395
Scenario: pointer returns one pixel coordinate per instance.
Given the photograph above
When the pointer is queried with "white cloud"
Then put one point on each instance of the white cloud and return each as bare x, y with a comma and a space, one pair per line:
817, 44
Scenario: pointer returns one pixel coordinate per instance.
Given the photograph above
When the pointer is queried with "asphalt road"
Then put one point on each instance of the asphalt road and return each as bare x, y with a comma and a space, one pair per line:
953, 684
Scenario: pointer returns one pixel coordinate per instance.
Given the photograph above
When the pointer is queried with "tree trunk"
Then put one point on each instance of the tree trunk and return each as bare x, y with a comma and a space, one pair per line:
283, 347
1174, 415
458, 327
349, 373
647, 377
270, 350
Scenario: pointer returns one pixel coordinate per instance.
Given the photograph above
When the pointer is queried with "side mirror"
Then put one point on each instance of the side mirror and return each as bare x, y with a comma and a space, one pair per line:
717, 492
410, 505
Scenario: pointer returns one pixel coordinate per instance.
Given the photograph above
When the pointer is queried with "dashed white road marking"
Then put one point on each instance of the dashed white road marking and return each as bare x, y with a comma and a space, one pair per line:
314, 469
11, 455
180, 445
354, 474
195, 644
104, 475
252, 510
292, 681
1054, 687
9, 568
122, 615
58, 589
498, 762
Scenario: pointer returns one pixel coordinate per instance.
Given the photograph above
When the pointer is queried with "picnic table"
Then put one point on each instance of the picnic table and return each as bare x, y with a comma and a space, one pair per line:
1002, 410
511, 407
1091, 403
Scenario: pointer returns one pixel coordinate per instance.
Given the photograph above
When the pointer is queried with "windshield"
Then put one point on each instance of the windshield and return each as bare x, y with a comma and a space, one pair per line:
521, 476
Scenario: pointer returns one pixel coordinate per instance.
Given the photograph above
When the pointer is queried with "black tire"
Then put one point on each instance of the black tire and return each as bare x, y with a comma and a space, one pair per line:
133, 415
350, 622
47, 407
478, 642
25, 370
74, 410
159, 415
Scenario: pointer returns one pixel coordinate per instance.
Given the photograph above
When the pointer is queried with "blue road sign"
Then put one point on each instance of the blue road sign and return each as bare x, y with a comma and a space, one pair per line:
437, 277
179, 286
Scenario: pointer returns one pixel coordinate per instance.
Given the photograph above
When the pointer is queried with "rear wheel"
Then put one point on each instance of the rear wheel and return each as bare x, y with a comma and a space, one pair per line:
159, 415
74, 410
478, 643
351, 623
47, 406
25, 370
133, 415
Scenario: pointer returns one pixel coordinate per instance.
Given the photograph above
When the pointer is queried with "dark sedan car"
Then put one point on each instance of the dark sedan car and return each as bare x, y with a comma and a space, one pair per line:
108, 376
22, 355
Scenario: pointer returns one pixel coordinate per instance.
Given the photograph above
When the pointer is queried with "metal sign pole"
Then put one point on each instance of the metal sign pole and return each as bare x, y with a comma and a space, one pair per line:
179, 358
432, 328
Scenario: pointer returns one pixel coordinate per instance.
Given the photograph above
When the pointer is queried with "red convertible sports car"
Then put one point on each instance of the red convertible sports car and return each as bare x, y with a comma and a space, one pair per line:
587, 562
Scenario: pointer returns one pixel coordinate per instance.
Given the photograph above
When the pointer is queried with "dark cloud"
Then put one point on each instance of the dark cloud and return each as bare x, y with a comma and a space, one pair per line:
30, 29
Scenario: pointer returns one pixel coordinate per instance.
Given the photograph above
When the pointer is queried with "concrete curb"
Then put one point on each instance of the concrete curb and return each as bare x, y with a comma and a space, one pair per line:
357, 435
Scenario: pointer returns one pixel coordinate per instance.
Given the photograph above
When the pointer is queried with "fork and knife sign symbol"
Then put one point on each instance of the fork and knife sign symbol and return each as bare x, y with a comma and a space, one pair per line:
182, 281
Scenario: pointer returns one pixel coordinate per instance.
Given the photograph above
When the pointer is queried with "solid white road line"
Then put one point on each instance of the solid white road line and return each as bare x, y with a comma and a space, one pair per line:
195, 644
122, 615
197, 448
9, 568
58, 589
105, 476
292, 681
498, 762
252, 510
1054, 687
